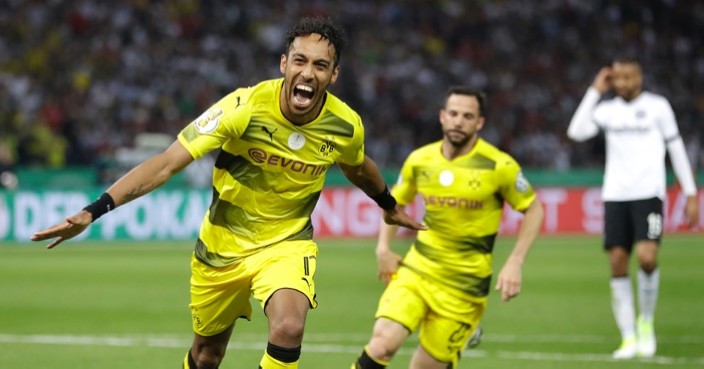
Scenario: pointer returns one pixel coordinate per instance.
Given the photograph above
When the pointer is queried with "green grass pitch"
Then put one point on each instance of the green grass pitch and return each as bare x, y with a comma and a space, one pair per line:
124, 305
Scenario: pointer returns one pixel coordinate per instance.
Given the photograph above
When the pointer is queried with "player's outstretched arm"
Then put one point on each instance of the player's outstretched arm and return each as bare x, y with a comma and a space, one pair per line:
139, 181
69, 228
367, 177
510, 280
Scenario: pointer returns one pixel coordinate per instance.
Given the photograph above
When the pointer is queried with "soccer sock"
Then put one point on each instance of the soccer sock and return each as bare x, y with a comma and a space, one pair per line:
188, 362
622, 305
648, 287
277, 357
364, 361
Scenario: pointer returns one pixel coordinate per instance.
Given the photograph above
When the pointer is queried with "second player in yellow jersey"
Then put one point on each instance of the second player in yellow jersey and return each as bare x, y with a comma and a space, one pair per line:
441, 285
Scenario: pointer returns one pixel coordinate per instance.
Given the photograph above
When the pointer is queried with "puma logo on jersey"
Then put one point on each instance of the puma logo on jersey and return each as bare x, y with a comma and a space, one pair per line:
271, 134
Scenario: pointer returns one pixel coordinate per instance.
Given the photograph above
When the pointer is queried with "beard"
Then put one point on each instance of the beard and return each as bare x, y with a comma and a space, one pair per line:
457, 139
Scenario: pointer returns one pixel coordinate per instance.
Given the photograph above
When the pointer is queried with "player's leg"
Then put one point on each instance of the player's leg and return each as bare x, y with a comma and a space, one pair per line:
209, 350
387, 338
649, 228
286, 311
648, 279
423, 360
622, 302
284, 285
218, 297
617, 242
400, 310
648, 290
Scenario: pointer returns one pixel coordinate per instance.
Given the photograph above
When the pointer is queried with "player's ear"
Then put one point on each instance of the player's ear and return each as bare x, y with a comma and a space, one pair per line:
335, 73
282, 64
480, 123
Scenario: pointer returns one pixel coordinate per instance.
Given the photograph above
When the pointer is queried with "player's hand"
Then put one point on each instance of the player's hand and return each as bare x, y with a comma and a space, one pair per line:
691, 211
509, 281
69, 228
602, 81
397, 216
388, 262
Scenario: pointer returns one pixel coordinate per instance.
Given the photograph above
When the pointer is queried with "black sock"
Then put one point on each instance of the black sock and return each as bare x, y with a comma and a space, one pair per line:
286, 355
366, 362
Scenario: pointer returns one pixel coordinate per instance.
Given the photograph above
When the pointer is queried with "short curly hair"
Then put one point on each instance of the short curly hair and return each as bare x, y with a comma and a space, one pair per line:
323, 26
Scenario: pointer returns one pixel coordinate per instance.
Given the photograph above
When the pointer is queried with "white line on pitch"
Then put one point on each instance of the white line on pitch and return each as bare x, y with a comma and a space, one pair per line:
238, 344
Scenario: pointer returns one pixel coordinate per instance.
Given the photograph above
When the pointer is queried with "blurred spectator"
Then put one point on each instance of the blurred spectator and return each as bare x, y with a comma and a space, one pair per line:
80, 79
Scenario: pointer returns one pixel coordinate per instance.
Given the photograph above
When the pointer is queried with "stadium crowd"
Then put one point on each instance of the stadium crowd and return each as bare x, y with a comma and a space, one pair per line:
80, 79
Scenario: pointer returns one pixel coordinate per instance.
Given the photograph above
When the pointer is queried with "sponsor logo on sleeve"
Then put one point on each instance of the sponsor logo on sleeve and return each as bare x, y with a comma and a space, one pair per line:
208, 121
521, 184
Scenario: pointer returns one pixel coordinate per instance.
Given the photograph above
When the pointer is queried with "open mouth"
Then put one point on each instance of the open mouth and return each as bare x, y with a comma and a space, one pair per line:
303, 95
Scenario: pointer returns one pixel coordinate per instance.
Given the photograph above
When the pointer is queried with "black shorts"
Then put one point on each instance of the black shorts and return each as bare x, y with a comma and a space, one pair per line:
627, 222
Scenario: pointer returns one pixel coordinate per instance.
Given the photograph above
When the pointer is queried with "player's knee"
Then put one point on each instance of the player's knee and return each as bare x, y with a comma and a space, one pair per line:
647, 261
288, 331
382, 347
648, 265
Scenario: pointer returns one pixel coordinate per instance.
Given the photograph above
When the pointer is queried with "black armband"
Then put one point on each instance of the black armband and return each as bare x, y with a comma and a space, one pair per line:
100, 206
384, 199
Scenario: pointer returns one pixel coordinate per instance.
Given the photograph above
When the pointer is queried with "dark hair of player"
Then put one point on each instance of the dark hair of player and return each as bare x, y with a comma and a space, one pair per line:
322, 26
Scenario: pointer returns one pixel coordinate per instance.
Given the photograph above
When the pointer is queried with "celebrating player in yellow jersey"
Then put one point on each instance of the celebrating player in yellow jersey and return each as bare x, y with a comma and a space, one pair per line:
441, 285
276, 140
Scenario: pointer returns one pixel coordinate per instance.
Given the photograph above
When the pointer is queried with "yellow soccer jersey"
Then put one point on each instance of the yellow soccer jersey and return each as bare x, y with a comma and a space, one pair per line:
269, 172
464, 199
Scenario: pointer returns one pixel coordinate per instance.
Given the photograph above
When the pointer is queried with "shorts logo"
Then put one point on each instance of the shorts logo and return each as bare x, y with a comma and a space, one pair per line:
208, 121
654, 225
196, 320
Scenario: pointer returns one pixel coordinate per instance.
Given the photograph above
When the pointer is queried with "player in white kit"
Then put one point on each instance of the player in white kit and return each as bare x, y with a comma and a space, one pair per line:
638, 127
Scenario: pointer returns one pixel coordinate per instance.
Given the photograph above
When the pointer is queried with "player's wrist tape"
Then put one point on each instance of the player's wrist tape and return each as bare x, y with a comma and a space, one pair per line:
384, 199
100, 206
